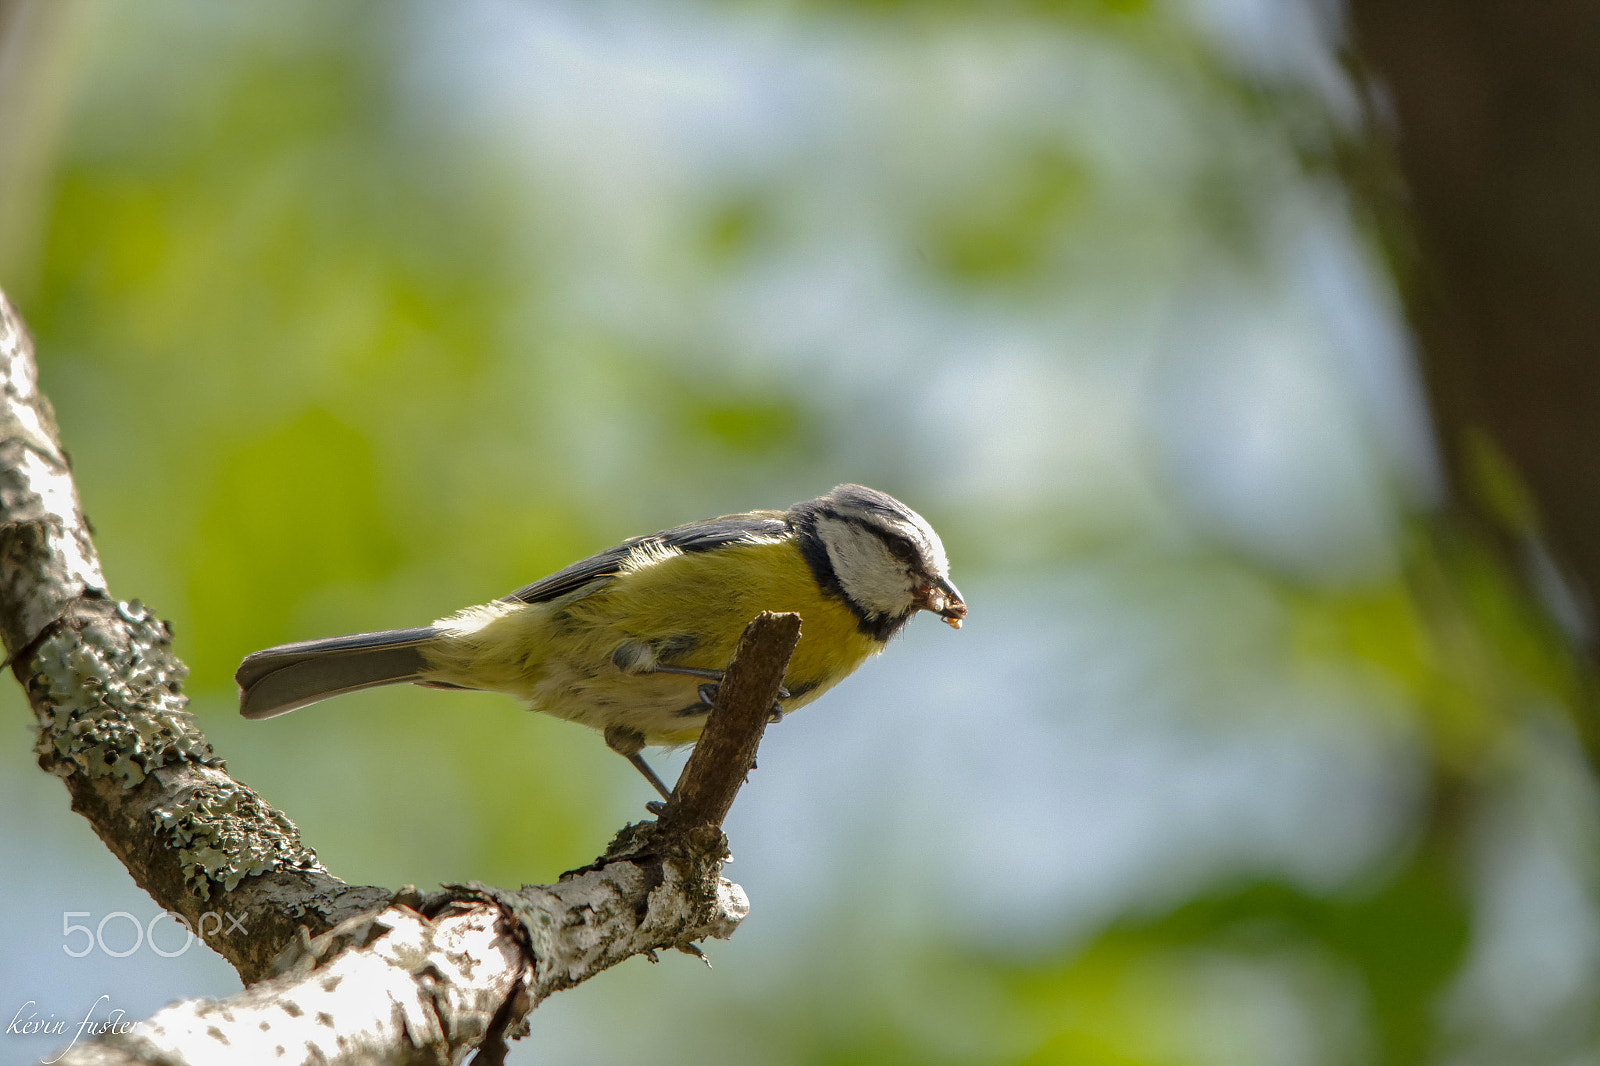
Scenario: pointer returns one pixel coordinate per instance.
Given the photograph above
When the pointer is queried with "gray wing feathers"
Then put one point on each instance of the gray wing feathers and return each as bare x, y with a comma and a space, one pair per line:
695, 537
282, 679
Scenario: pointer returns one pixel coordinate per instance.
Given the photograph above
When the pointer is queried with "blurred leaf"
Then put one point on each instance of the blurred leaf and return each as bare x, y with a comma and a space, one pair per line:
755, 426
256, 546
1009, 233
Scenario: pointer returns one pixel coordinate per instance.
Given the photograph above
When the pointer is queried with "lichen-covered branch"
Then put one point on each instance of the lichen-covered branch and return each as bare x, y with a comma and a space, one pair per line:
396, 989
432, 977
339, 973
105, 691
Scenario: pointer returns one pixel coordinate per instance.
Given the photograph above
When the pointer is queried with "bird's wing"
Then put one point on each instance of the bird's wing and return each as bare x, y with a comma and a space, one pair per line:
695, 537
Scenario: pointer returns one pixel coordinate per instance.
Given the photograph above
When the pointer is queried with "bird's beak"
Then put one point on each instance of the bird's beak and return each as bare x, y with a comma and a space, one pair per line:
943, 599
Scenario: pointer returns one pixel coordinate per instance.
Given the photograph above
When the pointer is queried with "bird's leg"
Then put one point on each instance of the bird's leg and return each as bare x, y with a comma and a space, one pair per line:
638, 657
686, 671
629, 743
644, 657
650, 775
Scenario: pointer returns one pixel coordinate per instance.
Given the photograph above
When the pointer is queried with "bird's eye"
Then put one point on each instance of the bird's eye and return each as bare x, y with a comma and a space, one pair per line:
901, 548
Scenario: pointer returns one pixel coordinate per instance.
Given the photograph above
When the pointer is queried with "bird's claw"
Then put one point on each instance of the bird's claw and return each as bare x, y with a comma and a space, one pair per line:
708, 696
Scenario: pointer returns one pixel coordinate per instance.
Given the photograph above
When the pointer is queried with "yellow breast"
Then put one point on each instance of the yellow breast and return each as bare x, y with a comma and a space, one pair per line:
693, 606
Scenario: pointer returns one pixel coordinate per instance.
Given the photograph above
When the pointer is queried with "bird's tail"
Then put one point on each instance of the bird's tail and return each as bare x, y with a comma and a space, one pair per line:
282, 679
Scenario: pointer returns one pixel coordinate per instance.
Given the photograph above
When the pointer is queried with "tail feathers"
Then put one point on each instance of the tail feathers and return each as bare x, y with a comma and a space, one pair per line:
290, 676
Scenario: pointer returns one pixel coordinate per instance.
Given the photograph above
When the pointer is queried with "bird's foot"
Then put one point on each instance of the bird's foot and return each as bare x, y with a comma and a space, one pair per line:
708, 696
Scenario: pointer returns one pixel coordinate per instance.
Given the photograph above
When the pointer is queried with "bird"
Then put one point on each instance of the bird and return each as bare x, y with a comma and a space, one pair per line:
632, 640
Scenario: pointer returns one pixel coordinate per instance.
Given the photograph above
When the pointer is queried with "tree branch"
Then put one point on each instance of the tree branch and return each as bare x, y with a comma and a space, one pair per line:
726, 751
104, 687
339, 973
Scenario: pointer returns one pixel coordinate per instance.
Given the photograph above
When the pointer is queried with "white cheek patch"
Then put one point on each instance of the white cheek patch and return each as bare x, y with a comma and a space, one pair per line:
867, 572
905, 523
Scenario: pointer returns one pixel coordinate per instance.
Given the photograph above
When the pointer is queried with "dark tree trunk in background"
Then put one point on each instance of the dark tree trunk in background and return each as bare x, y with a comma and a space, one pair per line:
1496, 107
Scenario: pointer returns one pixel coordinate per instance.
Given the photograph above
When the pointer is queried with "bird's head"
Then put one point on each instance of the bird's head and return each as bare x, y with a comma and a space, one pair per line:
880, 555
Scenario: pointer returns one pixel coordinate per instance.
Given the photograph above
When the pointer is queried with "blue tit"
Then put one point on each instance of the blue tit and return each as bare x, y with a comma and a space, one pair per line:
633, 640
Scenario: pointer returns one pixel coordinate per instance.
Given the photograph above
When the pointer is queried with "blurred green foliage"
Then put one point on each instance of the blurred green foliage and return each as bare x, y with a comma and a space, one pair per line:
1007, 238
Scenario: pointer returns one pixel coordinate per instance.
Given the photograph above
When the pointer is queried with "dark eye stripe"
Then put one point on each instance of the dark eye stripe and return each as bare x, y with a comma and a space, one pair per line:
901, 548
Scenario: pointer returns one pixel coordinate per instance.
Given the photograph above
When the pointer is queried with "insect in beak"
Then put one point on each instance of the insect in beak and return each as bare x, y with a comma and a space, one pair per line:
944, 600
